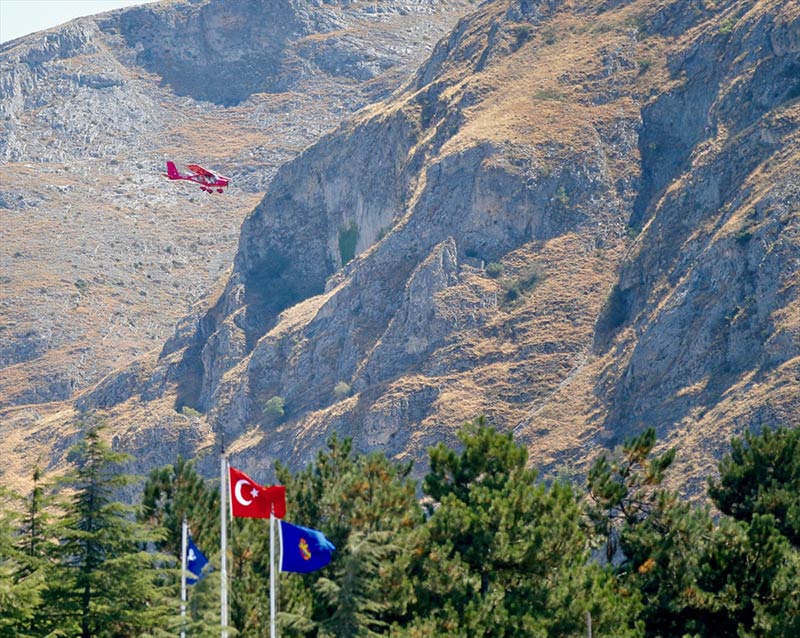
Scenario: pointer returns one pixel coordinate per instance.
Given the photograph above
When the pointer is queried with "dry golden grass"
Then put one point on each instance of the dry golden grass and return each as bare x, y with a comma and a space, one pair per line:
27, 436
548, 90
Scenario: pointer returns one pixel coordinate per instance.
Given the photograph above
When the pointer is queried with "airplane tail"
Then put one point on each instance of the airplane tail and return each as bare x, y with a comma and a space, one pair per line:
172, 171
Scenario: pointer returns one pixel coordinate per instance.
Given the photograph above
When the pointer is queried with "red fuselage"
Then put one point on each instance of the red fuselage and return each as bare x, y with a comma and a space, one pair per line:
208, 180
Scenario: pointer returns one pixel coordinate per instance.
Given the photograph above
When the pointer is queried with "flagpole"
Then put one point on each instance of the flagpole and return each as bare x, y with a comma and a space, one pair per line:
272, 576
184, 534
223, 559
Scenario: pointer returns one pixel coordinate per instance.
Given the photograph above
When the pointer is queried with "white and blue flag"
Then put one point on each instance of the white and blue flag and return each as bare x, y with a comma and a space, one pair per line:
195, 562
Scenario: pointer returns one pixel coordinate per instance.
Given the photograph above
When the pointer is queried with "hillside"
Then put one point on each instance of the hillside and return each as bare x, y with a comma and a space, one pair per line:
579, 218
100, 256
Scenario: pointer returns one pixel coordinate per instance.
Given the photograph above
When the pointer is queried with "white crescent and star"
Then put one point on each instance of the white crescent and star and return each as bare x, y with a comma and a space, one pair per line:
237, 492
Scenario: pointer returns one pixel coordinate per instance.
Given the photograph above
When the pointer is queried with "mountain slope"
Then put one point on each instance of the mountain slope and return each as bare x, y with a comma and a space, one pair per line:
100, 255
577, 217
701, 338
362, 268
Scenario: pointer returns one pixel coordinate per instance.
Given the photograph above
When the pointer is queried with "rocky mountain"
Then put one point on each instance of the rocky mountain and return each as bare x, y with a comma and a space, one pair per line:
99, 255
578, 218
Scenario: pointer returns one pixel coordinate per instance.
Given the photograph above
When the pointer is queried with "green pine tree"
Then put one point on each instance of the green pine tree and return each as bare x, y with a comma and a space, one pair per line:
171, 493
21, 578
104, 583
697, 576
177, 491
366, 505
36, 540
662, 557
249, 573
504, 555
623, 487
761, 475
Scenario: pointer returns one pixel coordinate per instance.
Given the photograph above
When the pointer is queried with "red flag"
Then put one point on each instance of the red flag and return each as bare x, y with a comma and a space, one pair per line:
251, 500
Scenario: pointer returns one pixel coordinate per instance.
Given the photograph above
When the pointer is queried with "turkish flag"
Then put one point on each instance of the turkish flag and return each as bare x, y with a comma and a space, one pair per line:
251, 500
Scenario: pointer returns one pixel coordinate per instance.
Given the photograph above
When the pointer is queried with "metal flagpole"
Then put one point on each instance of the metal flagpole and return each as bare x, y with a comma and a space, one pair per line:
184, 534
272, 576
223, 558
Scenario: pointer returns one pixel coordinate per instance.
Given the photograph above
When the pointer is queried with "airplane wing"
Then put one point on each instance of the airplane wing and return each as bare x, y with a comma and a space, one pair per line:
199, 170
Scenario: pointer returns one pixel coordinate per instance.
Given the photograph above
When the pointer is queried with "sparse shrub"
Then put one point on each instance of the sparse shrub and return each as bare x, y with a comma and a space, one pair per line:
726, 26
744, 235
348, 238
494, 269
523, 34
274, 409
644, 66
526, 281
341, 390
82, 285
513, 292
548, 94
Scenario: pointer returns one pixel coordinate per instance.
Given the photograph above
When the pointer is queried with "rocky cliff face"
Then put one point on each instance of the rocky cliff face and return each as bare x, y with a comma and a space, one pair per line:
700, 334
360, 293
100, 255
279, 46
577, 218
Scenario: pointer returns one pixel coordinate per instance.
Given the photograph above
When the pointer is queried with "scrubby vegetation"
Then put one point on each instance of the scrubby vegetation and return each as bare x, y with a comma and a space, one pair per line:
483, 547
525, 281
494, 269
274, 409
342, 390
348, 238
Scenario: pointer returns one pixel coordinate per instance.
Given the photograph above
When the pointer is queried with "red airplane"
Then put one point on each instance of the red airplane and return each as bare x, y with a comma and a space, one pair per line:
208, 180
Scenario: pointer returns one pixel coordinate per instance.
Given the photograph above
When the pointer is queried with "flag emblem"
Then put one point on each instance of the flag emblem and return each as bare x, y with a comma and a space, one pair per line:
303, 549
195, 563
251, 500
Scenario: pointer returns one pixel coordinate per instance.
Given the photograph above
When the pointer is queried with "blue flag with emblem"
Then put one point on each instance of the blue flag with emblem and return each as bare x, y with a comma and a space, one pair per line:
303, 549
195, 562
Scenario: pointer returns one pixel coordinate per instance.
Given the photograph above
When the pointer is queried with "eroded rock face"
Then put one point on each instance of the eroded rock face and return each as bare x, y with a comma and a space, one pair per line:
226, 50
419, 324
106, 257
548, 224
705, 299
99, 259
703, 303
363, 267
